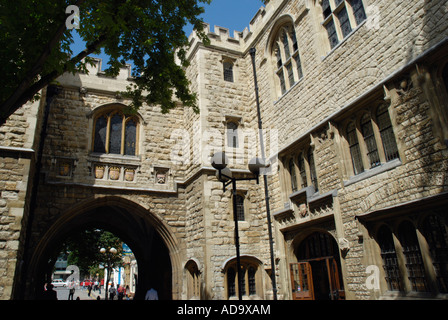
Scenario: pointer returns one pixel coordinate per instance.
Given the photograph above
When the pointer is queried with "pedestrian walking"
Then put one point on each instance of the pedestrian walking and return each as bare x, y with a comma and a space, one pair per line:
112, 292
71, 290
49, 293
120, 291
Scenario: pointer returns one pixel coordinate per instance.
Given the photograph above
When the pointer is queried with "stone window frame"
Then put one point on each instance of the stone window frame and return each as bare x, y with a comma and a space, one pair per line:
334, 14
109, 112
249, 281
371, 112
244, 195
229, 75
193, 275
308, 172
232, 133
403, 278
286, 58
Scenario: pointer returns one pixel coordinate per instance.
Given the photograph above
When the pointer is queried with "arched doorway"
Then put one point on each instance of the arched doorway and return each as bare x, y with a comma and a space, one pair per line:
317, 274
149, 240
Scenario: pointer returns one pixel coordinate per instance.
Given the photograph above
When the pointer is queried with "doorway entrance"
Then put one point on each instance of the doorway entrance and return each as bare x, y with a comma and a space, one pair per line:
316, 275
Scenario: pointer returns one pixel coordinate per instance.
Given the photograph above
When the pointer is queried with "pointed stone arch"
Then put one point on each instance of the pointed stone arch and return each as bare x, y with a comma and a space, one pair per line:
145, 234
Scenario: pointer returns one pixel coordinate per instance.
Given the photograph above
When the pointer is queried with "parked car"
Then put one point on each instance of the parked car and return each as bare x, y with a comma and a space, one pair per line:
59, 283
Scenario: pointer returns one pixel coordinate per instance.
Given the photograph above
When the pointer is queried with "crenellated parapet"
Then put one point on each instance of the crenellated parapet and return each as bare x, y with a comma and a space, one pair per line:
241, 41
96, 79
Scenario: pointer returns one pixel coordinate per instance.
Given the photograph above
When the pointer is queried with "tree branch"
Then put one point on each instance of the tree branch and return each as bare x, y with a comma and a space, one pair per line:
32, 90
14, 101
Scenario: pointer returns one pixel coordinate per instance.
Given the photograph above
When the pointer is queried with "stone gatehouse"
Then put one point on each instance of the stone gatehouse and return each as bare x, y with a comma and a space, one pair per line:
353, 97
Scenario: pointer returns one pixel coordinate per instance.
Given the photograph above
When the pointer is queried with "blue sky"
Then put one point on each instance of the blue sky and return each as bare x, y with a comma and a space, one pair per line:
232, 14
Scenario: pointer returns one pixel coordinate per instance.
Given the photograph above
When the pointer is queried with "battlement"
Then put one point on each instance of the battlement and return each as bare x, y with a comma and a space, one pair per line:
241, 40
96, 78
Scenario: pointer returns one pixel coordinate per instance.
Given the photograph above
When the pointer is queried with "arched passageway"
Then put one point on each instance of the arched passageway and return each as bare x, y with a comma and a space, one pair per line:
147, 237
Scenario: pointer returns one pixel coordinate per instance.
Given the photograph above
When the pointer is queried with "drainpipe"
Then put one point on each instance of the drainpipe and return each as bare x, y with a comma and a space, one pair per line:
265, 178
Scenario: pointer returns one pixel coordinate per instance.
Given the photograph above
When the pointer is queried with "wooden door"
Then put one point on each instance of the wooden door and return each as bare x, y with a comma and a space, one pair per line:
337, 289
301, 281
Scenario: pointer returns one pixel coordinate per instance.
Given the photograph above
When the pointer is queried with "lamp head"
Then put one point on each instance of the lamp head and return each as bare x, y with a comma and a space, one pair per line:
219, 160
255, 164
225, 175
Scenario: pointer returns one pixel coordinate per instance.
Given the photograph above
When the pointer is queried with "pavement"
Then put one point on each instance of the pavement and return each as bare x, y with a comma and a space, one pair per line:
80, 293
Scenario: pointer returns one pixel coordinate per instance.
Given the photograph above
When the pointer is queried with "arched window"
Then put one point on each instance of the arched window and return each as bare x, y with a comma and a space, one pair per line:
355, 151
292, 172
302, 170
231, 282
193, 280
313, 174
390, 261
115, 133
435, 232
285, 52
414, 261
249, 282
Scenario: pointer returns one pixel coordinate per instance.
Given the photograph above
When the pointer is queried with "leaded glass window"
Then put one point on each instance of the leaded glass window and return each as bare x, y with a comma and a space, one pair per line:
302, 171
332, 35
287, 58
355, 151
369, 140
281, 78
292, 172
228, 71
239, 207
115, 133
414, 261
344, 22
390, 260
251, 277
116, 124
100, 135
435, 232
313, 174
231, 287
387, 134
130, 137
358, 11
339, 20
248, 278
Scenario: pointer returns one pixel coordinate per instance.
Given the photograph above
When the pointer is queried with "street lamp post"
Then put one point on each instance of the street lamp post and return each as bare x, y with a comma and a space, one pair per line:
219, 162
108, 258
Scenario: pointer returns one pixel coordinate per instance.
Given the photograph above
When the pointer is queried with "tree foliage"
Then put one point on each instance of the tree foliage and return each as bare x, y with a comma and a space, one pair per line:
84, 249
35, 46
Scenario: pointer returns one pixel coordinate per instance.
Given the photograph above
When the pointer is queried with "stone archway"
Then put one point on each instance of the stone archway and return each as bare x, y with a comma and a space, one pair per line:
155, 248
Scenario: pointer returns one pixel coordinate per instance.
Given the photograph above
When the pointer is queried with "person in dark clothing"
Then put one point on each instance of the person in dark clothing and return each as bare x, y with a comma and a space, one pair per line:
50, 294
